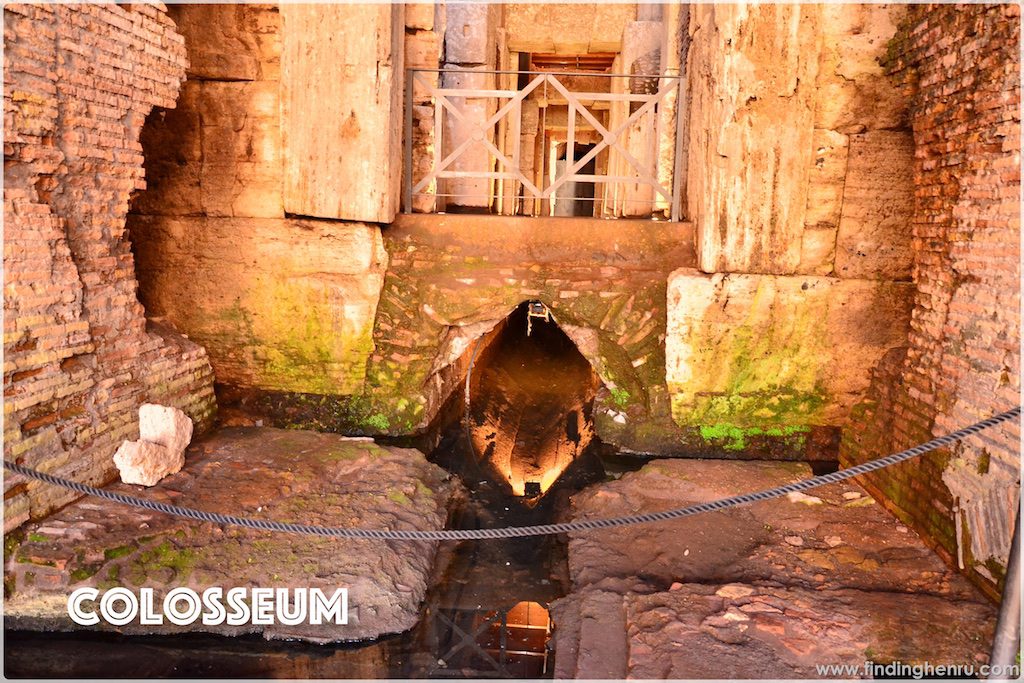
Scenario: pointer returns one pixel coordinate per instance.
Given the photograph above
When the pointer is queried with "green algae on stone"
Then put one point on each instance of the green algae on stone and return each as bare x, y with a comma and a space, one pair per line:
772, 370
84, 572
162, 556
620, 397
399, 497
11, 542
734, 438
120, 551
378, 422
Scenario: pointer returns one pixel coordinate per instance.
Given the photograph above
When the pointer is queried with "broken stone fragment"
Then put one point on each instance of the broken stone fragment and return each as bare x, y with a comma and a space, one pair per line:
166, 426
145, 463
734, 591
797, 497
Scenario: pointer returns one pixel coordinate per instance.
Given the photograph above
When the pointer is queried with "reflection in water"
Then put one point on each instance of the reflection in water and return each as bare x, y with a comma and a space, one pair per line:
508, 643
480, 585
485, 614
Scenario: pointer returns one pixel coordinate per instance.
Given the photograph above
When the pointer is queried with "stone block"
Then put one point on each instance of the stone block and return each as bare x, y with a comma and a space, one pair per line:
422, 51
469, 33
549, 27
165, 426
241, 189
818, 250
342, 90
825, 183
751, 133
145, 463
171, 189
854, 93
776, 351
456, 78
229, 42
875, 228
474, 158
419, 15
279, 304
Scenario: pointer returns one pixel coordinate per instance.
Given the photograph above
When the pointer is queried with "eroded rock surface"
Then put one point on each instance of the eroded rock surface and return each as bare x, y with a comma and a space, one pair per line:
146, 463
766, 590
164, 425
273, 474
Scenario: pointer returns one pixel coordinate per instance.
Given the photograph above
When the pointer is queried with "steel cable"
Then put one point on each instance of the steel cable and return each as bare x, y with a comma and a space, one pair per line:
522, 531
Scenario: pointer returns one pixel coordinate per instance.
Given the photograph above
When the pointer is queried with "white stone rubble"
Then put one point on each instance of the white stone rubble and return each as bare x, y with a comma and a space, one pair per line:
165, 433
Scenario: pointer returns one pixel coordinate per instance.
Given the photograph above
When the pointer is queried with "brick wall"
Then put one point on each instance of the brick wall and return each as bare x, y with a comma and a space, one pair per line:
961, 67
79, 358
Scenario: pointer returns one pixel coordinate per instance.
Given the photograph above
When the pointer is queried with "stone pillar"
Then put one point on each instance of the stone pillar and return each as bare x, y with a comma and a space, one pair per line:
752, 79
423, 47
470, 49
642, 45
341, 106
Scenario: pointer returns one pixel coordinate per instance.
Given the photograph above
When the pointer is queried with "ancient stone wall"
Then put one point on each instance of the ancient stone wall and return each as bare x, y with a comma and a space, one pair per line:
567, 28
799, 156
280, 303
961, 67
424, 47
79, 357
800, 186
453, 278
341, 109
218, 151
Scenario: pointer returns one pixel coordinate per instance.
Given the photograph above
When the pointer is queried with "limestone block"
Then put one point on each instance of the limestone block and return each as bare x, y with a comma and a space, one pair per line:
468, 36
825, 184
173, 134
641, 54
875, 229
472, 79
818, 250
422, 51
772, 351
474, 158
230, 104
854, 94
165, 426
567, 28
229, 42
419, 15
751, 133
241, 189
423, 157
145, 463
278, 303
341, 110
172, 189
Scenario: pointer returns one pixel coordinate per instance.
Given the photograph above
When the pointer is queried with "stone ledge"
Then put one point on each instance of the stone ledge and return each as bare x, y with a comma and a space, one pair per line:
282, 475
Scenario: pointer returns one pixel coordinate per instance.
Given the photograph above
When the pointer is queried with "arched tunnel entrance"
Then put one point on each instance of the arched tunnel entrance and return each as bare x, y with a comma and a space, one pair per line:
530, 402
524, 445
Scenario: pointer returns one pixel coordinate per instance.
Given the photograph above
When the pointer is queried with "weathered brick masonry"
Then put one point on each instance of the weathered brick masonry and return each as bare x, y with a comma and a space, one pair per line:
79, 359
961, 67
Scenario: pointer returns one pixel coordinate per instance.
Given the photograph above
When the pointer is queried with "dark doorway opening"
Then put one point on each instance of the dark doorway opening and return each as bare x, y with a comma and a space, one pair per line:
575, 198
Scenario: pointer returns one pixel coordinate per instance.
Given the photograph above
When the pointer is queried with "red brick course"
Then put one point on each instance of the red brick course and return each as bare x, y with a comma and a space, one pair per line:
961, 67
79, 358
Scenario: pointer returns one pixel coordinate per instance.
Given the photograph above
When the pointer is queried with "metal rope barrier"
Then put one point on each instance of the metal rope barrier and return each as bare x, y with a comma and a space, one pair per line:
521, 531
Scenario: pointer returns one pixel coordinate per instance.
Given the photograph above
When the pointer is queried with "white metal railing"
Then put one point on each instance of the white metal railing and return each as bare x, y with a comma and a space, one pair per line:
627, 128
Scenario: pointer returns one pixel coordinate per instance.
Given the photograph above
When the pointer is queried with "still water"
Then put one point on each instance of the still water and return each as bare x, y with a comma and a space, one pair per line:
486, 614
